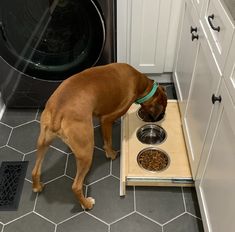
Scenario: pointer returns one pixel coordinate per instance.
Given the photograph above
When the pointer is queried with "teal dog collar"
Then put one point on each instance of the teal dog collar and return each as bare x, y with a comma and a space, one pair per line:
148, 96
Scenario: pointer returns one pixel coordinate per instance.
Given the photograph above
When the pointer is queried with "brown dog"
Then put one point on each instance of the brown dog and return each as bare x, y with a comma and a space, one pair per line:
105, 91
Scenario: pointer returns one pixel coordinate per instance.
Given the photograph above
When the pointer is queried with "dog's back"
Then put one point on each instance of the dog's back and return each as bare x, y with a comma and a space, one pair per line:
98, 91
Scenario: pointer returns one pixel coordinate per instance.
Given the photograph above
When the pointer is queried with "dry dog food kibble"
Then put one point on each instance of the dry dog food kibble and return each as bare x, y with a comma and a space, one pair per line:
153, 160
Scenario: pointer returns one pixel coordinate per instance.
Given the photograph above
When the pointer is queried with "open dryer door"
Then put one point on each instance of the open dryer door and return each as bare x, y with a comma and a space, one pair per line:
51, 40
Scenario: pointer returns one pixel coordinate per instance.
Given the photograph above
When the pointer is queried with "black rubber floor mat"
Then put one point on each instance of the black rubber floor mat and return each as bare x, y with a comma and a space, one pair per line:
12, 176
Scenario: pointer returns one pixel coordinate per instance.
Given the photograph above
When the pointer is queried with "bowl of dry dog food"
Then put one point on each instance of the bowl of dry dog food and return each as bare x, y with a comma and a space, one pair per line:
153, 159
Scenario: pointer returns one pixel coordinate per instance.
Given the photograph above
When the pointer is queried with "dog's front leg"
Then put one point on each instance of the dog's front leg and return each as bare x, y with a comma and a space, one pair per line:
106, 125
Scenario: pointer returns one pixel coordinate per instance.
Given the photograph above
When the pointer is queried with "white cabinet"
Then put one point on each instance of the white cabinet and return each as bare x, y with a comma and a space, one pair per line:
216, 183
198, 4
185, 60
147, 33
229, 72
196, 78
205, 83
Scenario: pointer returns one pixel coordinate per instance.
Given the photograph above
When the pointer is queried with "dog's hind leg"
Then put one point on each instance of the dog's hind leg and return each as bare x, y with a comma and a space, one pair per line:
81, 142
44, 140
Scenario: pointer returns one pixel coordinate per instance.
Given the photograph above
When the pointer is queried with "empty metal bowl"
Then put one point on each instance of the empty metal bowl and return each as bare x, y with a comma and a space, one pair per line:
151, 134
153, 159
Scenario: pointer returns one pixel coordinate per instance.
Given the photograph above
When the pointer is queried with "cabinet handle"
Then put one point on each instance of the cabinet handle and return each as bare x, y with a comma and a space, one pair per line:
193, 29
194, 37
210, 18
214, 98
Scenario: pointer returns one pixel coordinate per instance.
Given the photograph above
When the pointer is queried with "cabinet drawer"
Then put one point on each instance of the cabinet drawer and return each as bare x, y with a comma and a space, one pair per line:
219, 30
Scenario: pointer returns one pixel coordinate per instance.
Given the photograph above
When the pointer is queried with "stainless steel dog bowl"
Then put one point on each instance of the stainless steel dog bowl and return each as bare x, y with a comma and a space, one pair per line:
146, 117
153, 159
151, 134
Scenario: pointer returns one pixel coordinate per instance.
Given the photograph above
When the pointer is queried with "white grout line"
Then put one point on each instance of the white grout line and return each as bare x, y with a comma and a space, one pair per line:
99, 148
88, 213
30, 181
30, 152
35, 202
56, 148
18, 218
66, 164
194, 215
2, 146
134, 198
9, 136
174, 218
22, 153
71, 178
115, 177
119, 219
23, 124
185, 207
86, 190
37, 113
150, 219
44, 218
99, 180
52, 180
111, 167
96, 126
10, 127
67, 219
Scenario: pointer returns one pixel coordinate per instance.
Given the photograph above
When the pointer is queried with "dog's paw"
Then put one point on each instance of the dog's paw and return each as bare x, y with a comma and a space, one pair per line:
38, 188
89, 203
111, 154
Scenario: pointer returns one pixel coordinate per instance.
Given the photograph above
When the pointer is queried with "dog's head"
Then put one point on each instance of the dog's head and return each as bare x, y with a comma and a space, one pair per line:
155, 107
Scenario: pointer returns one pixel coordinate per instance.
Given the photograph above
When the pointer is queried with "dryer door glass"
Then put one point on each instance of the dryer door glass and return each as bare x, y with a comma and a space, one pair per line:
51, 39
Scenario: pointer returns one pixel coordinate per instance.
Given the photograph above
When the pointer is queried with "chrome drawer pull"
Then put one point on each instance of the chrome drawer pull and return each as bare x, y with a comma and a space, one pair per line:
210, 18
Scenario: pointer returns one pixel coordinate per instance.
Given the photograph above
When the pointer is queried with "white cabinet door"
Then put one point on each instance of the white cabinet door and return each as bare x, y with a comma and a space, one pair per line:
149, 20
147, 33
229, 72
199, 4
185, 62
216, 187
205, 83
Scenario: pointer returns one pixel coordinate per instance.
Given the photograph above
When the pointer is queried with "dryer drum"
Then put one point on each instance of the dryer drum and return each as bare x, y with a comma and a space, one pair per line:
51, 39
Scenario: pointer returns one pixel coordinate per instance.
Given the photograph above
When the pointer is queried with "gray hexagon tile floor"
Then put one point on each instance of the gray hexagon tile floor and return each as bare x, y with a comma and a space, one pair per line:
149, 209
